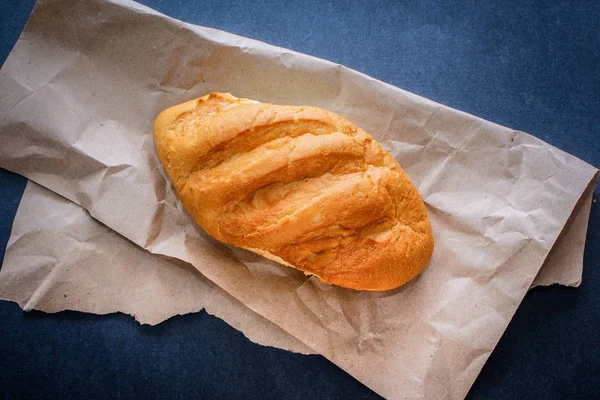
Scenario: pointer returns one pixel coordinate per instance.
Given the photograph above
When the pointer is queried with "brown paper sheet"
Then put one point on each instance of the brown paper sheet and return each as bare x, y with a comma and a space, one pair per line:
80, 91
56, 260
59, 258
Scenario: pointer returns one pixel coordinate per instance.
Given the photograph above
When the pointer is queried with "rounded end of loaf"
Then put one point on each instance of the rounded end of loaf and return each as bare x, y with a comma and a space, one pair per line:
167, 117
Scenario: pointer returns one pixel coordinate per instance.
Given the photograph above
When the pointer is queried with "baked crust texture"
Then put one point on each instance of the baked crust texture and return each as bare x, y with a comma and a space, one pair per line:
299, 185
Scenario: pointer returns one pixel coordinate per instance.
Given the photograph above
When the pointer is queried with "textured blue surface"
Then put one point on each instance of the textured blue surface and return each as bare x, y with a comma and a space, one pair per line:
525, 64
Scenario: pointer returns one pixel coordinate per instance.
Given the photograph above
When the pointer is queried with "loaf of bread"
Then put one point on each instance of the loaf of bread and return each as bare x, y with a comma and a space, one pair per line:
299, 185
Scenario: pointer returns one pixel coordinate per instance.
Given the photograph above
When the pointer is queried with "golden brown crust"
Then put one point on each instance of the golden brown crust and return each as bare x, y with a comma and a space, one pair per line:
299, 185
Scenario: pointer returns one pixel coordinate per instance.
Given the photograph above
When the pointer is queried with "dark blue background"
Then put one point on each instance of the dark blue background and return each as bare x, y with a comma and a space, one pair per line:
524, 64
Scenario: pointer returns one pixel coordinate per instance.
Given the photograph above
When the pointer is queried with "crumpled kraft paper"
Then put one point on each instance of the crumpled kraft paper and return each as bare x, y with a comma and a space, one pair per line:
56, 259
81, 89
59, 258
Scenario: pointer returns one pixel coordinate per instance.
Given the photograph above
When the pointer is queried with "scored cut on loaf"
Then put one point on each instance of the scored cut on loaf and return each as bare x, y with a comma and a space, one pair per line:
298, 185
